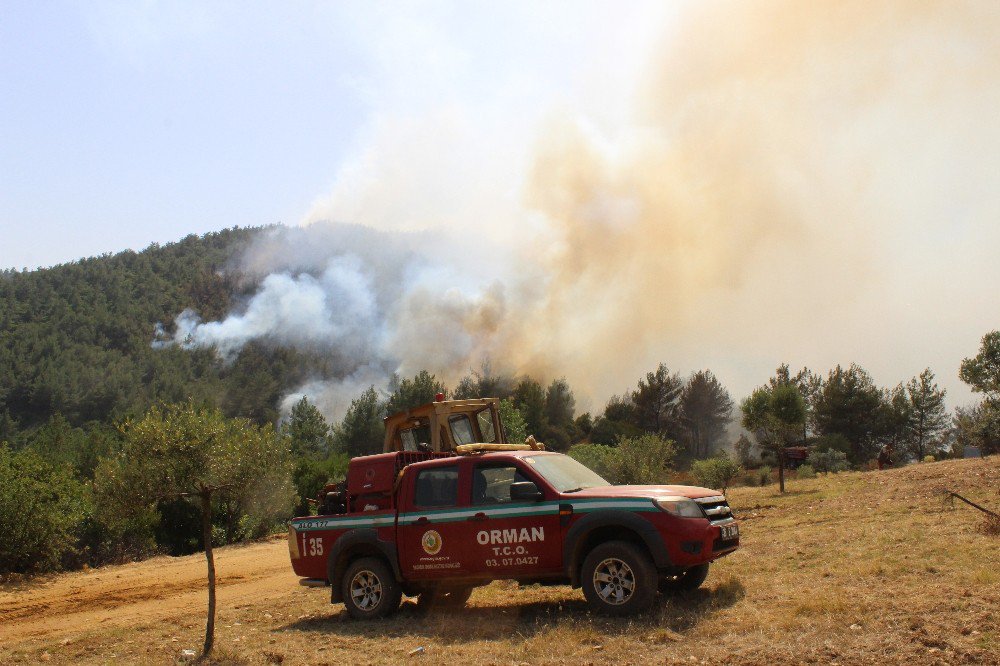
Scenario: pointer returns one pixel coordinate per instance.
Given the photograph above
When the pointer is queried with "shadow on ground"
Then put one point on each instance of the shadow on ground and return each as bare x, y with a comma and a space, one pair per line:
505, 618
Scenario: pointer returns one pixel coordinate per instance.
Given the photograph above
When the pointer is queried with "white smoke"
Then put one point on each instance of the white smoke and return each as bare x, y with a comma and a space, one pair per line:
334, 309
372, 303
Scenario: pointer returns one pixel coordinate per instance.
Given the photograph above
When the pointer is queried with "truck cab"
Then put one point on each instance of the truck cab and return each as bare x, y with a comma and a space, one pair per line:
436, 524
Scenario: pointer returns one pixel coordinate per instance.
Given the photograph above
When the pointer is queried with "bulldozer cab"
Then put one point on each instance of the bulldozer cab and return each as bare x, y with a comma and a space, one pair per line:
443, 425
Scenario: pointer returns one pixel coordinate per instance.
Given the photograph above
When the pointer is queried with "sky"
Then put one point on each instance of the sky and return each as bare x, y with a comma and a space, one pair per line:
723, 185
123, 124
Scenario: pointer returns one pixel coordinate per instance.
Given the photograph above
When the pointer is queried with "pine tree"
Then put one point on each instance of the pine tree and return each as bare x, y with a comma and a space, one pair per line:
705, 410
927, 417
307, 430
529, 398
775, 416
413, 392
362, 432
656, 403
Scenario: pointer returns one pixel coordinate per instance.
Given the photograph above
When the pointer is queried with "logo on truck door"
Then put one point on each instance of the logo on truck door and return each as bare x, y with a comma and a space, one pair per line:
431, 542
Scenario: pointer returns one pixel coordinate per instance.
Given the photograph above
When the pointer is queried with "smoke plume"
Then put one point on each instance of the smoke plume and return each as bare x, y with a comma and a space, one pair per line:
816, 183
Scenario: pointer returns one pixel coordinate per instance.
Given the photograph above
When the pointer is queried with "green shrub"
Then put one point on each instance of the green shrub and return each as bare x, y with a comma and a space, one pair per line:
646, 459
117, 532
805, 472
715, 472
513, 421
764, 475
830, 460
42, 511
595, 456
929, 458
309, 477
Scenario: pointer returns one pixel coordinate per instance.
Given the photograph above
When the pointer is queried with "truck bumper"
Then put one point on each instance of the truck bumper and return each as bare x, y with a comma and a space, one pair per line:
695, 542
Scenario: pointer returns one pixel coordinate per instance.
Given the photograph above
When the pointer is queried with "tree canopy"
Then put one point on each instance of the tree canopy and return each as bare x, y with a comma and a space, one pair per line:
982, 371
850, 404
185, 451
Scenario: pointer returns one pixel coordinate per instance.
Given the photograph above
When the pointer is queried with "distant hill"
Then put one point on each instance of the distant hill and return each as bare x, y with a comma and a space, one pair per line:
75, 339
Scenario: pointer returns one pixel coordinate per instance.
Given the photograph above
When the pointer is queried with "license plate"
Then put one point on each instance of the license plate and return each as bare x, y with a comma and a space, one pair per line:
729, 532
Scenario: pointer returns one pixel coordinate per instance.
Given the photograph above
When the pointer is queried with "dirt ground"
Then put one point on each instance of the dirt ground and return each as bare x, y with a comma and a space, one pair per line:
859, 568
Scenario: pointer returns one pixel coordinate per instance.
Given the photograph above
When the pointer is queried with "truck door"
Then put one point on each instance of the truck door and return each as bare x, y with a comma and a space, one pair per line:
512, 539
431, 532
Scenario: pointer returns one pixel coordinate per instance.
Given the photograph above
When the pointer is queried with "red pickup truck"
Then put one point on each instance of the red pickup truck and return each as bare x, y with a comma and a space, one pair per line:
436, 524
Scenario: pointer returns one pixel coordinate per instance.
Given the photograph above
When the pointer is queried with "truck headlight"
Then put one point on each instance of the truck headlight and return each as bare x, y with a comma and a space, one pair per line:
679, 506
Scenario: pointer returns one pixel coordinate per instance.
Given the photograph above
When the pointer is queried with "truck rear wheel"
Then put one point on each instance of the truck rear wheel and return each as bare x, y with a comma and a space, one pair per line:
618, 578
686, 581
369, 589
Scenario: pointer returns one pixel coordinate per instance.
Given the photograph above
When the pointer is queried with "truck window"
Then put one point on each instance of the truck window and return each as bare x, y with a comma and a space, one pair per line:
461, 429
491, 485
436, 487
485, 419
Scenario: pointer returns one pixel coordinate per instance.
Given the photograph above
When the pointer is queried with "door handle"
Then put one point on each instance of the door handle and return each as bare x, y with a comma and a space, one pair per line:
478, 516
422, 520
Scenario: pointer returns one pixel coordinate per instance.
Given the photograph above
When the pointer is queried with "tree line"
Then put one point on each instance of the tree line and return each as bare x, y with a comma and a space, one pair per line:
58, 503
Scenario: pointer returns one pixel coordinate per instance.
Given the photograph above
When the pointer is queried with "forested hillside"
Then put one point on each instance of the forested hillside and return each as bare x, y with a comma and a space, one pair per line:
75, 339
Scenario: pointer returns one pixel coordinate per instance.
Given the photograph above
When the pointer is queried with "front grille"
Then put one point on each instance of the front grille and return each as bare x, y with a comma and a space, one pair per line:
716, 508
720, 544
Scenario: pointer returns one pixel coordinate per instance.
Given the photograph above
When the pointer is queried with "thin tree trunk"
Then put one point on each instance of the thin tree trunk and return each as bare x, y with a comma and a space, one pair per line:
206, 529
781, 470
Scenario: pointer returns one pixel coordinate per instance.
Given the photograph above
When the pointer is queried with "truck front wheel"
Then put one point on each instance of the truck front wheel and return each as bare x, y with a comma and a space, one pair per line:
369, 589
686, 581
618, 579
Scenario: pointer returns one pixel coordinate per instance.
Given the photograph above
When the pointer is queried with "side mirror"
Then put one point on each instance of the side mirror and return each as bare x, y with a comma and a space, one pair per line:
525, 491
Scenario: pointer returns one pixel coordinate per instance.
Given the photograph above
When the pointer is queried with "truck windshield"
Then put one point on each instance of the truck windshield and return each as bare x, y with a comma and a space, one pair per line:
565, 474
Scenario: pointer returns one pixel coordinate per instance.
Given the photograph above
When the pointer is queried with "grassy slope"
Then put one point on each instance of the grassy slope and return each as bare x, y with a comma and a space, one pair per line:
856, 568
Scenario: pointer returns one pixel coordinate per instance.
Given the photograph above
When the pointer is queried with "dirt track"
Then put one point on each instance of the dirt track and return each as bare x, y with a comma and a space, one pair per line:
128, 595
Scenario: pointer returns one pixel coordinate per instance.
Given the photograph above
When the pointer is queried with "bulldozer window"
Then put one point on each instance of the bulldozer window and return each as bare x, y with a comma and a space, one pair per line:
485, 419
461, 429
413, 436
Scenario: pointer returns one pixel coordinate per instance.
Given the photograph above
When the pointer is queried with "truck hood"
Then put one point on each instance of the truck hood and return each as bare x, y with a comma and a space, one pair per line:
692, 492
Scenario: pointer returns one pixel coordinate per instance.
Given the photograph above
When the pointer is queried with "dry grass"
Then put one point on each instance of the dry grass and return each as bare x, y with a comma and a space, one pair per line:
858, 568
991, 526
